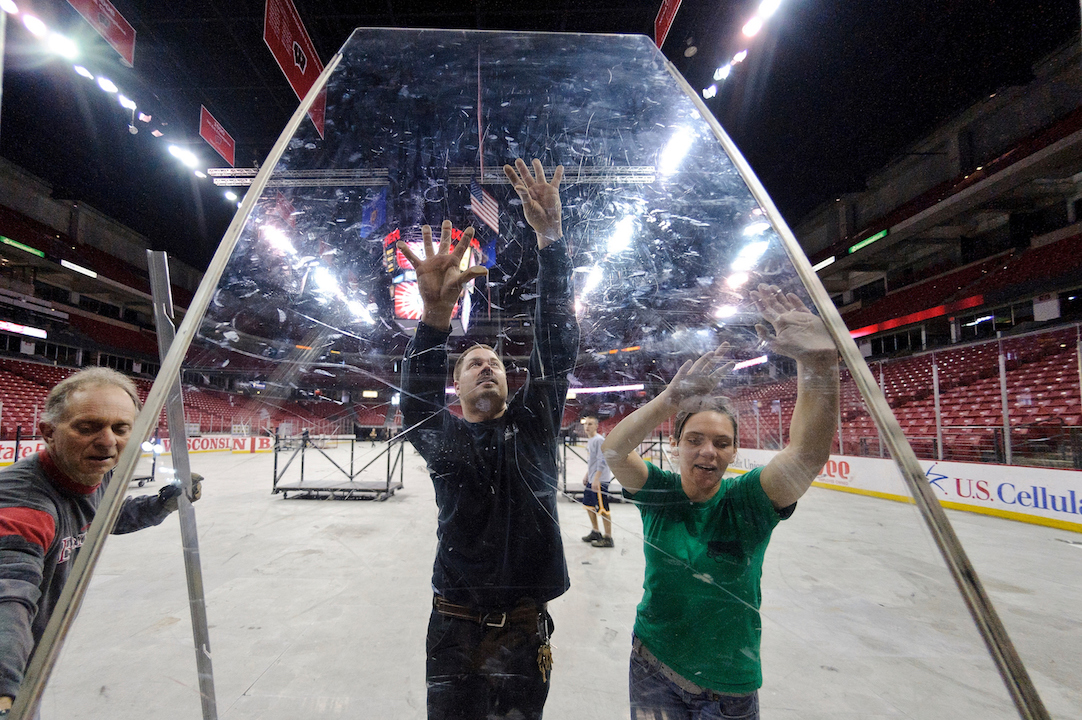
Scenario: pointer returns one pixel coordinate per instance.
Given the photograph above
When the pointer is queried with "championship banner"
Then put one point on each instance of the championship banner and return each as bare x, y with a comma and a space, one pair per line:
212, 131
110, 24
292, 48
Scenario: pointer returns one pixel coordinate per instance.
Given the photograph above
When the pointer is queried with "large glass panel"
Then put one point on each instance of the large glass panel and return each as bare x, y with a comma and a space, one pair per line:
308, 326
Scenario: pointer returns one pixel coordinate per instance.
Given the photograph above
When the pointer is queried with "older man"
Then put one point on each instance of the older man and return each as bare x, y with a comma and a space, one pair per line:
500, 557
48, 500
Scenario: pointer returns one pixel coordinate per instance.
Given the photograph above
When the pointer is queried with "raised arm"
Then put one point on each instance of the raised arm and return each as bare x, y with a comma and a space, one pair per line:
802, 336
689, 390
440, 280
556, 330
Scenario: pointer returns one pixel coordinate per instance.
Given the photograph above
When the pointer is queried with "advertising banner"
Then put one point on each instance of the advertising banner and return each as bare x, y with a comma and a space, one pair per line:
1042, 496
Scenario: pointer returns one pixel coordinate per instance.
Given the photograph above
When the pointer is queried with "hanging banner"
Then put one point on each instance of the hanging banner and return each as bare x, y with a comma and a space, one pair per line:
288, 41
110, 24
212, 131
665, 15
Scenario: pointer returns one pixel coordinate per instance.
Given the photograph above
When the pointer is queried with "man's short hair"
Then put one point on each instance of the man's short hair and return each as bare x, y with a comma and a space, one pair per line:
587, 416
471, 348
56, 402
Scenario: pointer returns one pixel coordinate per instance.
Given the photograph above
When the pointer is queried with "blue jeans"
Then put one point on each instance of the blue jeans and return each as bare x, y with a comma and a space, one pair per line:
656, 697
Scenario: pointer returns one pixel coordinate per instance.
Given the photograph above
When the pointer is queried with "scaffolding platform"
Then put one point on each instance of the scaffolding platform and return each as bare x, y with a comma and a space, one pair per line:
322, 472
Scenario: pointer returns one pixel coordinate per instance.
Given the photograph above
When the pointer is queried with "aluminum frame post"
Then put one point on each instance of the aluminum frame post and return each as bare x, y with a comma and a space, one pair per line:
158, 268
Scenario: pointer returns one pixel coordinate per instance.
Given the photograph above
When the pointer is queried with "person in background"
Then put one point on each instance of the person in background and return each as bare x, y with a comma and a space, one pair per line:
48, 500
695, 647
596, 485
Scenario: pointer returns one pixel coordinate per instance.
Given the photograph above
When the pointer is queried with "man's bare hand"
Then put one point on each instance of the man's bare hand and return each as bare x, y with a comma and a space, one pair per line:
797, 332
540, 199
440, 279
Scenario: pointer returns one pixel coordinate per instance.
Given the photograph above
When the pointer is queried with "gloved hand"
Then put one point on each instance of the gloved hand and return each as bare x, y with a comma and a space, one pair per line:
168, 495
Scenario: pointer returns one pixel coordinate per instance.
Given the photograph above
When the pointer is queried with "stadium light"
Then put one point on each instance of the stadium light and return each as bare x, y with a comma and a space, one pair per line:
126, 103
768, 7
753, 26
34, 25
63, 46
107, 85
9, 6
83, 71
185, 156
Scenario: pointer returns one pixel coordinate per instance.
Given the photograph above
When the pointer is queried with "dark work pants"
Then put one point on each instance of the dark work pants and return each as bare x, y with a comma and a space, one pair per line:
484, 673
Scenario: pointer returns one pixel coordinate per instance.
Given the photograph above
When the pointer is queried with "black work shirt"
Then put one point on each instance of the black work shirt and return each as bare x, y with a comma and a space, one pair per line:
495, 481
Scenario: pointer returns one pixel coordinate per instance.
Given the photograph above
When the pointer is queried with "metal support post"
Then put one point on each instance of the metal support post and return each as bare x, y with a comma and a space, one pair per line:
158, 266
938, 409
1005, 404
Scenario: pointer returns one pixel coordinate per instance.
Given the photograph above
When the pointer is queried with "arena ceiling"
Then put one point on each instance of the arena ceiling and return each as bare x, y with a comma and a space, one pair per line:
830, 91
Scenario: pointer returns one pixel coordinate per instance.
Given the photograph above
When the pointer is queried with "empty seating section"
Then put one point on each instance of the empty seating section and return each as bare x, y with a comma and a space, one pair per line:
1043, 401
24, 385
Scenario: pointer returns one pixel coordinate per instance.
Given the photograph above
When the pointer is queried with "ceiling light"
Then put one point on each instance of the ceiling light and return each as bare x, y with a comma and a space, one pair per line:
107, 85
621, 235
726, 311
723, 72
156, 132
9, 6
675, 150
749, 255
230, 195
757, 228
63, 46
83, 71
78, 268
126, 103
767, 7
593, 279
34, 25
185, 156
736, 280
710, 91
740, 57
825, 263
143, 117
200, 174
753, 27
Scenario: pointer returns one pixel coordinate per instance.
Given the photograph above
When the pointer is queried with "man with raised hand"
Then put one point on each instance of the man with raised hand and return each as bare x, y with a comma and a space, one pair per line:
499, 558
48, 500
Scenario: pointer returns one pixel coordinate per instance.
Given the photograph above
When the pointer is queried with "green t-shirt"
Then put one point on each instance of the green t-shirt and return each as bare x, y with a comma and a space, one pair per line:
700, 610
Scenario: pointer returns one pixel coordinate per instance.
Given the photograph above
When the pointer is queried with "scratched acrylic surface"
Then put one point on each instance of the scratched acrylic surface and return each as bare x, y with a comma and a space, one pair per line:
317, 306
660, 225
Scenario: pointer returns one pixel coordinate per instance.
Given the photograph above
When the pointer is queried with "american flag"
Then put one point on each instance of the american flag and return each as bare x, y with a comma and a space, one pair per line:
484, 206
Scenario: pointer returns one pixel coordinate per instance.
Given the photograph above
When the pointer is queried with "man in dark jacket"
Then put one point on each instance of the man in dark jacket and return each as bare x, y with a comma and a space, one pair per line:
48, 500
500, 556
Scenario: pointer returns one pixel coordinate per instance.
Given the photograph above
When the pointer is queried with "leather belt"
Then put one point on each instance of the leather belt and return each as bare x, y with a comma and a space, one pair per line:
677, 679
495, 619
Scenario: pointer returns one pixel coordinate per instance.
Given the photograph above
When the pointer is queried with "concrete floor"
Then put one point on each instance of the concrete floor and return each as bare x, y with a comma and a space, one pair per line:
318, 609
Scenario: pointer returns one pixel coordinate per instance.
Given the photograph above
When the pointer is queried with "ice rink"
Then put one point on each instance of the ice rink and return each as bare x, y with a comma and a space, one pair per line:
318, 609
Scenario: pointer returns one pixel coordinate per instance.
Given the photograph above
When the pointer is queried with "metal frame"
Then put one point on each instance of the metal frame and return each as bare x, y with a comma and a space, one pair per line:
338, 491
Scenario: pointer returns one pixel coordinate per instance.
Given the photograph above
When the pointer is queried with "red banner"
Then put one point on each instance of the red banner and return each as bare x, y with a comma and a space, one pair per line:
212, 131
110, 24
288, 41
665, 15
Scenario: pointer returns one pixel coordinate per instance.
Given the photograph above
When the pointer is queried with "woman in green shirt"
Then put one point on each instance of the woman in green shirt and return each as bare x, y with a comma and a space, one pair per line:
696, 644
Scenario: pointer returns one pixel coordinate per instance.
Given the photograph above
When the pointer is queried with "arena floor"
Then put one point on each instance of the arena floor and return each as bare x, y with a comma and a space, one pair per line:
318, 609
